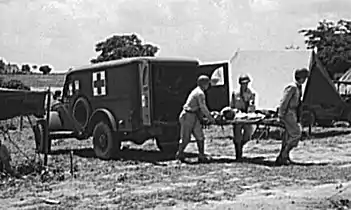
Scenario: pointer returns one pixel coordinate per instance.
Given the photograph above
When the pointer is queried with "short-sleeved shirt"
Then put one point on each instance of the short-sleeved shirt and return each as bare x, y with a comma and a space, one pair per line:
196, 102
291, 99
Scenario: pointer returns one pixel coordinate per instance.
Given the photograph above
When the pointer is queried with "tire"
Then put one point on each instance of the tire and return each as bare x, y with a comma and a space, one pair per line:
81, 111
168, 142
107, 144
39, 135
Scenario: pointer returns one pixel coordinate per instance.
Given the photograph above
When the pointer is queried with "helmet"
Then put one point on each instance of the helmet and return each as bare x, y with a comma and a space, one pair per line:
244, 78
301, 73
203, 79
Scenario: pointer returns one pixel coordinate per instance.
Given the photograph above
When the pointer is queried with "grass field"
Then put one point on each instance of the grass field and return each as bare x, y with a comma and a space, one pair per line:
38, 81
147, 179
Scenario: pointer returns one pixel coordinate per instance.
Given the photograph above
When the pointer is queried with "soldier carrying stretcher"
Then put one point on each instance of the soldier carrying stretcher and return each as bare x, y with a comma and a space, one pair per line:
243, 99
289, 114
190, 118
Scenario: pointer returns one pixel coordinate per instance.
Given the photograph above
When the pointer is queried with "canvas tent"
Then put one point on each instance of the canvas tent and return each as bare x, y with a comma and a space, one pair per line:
345, 89
270, 71
320, 89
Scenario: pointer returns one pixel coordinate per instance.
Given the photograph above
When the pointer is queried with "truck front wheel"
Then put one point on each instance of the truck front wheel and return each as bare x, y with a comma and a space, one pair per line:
107, 144
168, 141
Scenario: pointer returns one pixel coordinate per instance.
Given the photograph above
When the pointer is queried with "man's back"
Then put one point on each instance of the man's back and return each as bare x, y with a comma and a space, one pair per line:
192, 102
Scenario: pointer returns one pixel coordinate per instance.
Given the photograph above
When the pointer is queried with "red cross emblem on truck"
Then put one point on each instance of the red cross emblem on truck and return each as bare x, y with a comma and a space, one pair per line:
99, 83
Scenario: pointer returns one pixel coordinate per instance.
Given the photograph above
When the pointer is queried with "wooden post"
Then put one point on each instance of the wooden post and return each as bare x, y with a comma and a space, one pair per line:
46, 132
21, 123
71, 158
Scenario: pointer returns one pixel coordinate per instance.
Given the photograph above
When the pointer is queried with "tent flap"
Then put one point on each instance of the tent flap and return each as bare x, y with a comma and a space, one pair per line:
320, 89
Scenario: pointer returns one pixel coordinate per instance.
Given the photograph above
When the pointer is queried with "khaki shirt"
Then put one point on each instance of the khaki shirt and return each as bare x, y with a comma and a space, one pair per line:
241, 102
291, 99
197, 102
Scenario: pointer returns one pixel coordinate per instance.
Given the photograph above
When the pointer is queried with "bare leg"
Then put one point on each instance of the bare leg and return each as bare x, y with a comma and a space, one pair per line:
200, 140
186, 126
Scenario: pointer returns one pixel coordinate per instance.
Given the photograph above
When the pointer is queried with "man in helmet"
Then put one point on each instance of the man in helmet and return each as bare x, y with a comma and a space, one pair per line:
193, 111
242, 99
288, 113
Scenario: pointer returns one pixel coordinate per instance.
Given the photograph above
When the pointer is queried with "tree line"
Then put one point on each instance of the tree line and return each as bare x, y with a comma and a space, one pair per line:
9, 68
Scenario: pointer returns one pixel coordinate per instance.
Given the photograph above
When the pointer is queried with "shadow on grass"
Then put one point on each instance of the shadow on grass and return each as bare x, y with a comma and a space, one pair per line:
278, 135
155, 157
149, 156
330, 133
256, 161
271, 163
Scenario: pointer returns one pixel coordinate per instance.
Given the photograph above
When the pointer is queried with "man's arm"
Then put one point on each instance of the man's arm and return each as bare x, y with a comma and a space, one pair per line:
203, 107
283, 106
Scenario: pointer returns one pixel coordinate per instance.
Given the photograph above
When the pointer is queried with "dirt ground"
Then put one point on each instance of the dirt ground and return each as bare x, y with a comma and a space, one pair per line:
145, 179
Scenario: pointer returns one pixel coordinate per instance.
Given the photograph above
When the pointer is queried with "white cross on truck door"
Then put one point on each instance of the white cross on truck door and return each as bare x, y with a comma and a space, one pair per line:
99, 83
144, 72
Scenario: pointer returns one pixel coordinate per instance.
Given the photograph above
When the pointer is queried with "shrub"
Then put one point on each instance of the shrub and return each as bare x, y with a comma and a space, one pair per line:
13, 84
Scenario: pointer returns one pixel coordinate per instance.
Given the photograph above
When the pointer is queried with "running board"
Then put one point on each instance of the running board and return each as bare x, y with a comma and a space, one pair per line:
62, 135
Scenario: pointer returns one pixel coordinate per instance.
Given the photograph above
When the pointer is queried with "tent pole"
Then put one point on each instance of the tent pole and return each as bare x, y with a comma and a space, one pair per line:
46, 132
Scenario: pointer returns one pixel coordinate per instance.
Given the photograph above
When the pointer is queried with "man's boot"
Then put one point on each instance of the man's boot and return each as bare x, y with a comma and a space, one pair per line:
283, 157
180, 154
202, 157
238, 152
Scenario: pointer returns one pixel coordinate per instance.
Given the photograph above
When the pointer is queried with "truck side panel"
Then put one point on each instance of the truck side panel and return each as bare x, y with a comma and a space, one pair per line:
121, 97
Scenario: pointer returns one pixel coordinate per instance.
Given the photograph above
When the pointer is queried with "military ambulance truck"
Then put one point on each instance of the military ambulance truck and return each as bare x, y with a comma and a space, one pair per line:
132, 99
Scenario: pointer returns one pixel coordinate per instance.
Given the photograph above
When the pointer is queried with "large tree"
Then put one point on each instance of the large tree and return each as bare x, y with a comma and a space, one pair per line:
332, 42
45, 69
25, 69
123, 46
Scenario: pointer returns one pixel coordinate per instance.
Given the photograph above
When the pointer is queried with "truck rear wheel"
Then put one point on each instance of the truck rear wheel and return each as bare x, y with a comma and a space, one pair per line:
168, 141
107, 144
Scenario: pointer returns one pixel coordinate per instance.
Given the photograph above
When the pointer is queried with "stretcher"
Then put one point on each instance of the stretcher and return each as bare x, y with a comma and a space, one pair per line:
263, 124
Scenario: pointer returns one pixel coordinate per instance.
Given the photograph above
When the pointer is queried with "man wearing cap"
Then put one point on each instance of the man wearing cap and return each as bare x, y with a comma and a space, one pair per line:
288, 114
193, 111
241, 100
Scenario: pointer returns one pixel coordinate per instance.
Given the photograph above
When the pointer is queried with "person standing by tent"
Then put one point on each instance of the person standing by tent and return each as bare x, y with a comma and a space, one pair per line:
193, 111
243, 99
289, 114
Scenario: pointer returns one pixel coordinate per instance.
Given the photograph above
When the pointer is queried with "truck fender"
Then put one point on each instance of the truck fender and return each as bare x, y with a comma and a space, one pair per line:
102, 114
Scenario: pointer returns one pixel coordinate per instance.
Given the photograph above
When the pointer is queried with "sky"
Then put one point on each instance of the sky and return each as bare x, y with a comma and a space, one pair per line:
63, 33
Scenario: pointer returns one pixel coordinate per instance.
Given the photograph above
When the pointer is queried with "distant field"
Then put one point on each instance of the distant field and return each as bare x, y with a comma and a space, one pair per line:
54, 80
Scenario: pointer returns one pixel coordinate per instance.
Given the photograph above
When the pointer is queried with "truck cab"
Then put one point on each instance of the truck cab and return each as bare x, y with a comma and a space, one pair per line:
132, 99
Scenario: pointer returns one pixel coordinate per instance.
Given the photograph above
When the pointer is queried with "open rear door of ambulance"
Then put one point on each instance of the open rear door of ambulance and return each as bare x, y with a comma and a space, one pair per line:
217, 96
